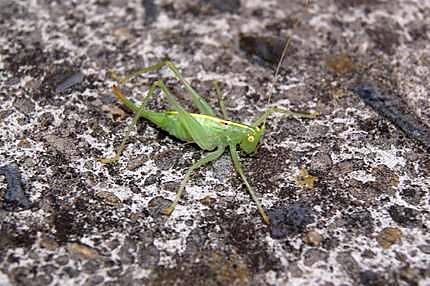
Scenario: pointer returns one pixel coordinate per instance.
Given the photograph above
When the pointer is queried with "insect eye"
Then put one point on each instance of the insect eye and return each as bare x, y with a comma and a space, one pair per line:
251, 138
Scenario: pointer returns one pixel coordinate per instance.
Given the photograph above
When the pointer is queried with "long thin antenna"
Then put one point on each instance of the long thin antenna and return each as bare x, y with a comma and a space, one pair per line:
281, 60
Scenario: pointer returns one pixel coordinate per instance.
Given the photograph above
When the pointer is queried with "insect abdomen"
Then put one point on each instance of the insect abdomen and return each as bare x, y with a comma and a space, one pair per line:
219, 130
169, 123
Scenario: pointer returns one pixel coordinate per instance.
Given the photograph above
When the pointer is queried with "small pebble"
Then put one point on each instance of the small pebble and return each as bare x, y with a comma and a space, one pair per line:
389, 236
305, 180
114, 112
83, 251
108, 198
321, 162
62, 260
290, 220
69, 81
49, 244
425, 248
136, 162
314, 255
312, 238
208, 201
24, 143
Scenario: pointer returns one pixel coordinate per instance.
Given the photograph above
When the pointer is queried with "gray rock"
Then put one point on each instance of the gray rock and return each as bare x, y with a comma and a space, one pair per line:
314, 255
349, 265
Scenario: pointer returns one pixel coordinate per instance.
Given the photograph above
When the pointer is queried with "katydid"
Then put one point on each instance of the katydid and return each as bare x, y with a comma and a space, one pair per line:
208, 131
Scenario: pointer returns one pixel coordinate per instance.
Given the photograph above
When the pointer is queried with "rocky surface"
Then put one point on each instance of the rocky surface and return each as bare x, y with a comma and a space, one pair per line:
348, 192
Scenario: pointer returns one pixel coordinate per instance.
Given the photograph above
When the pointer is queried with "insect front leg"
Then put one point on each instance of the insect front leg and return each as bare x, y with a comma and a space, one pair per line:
210, 157
262, 118
238, 168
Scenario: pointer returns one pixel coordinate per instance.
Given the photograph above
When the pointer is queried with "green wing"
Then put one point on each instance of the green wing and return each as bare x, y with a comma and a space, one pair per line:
193, 127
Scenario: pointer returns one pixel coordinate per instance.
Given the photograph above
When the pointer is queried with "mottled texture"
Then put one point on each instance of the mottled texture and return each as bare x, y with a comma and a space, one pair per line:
364, 220
392, 107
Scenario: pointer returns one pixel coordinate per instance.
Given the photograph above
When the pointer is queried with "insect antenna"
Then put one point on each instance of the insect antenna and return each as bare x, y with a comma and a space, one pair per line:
281, 60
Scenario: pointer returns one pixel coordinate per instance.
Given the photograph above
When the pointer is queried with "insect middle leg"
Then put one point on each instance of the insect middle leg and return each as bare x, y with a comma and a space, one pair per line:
212, 156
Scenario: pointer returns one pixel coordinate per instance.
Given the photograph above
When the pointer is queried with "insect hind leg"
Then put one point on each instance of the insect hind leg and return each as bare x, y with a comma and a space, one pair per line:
123, 79
198, 101
138, 113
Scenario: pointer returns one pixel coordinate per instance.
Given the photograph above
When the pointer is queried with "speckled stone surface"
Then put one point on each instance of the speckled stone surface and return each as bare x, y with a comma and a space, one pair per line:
348, 192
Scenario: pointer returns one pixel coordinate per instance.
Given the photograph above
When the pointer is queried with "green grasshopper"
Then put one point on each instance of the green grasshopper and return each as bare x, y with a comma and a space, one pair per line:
208, 131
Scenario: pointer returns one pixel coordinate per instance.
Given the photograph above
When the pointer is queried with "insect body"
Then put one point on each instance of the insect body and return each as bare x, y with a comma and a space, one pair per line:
208, 131
217, 131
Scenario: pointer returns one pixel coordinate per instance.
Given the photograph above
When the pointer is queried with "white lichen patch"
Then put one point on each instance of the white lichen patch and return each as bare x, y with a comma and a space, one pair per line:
362, 176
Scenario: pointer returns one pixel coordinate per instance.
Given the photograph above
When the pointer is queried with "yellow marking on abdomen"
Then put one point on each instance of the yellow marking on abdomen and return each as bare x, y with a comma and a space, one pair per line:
216, 119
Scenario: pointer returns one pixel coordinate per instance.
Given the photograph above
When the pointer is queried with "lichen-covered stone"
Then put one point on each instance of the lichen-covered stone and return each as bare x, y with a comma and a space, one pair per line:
362, 65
